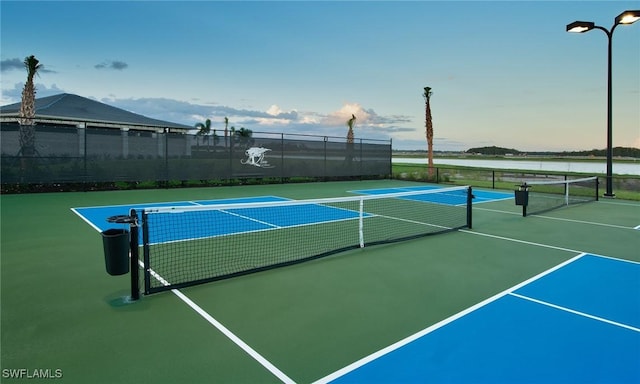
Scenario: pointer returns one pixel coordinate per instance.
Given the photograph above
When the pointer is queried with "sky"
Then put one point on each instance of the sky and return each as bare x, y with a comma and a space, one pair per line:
502, 73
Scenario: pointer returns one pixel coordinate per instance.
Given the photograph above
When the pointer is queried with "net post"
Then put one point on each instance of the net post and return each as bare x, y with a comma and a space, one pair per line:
597, 185
361, 224
133, 246
469, 210
145, 250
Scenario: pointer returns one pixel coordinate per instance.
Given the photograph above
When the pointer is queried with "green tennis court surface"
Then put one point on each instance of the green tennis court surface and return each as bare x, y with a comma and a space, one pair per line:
513, 299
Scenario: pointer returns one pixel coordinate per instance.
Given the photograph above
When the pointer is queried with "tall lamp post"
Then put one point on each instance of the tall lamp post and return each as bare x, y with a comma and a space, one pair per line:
626, 17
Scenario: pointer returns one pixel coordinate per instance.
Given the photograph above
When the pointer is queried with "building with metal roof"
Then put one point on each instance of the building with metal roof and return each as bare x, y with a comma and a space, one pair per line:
74, 110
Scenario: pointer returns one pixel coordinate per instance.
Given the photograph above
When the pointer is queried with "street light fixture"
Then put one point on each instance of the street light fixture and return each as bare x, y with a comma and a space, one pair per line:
626, 17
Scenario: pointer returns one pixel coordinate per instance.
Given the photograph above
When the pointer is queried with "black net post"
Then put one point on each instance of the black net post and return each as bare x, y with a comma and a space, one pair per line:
145, 251
135, 276
469, 207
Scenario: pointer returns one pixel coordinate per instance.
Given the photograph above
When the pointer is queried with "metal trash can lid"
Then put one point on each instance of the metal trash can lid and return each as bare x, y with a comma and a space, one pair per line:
121, 219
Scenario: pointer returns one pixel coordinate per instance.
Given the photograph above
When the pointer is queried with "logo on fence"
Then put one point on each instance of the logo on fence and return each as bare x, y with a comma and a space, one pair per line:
255, 157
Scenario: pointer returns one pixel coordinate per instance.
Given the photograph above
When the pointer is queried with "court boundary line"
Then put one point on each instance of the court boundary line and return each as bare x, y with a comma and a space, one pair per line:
85, 219
235, 339
224, 330
560, 219
204, 314
524, 242
378, 354
279, 198
228, 212
573, 311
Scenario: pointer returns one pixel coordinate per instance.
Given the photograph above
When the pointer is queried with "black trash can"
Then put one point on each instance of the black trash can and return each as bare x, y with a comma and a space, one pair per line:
116, 251
522, 197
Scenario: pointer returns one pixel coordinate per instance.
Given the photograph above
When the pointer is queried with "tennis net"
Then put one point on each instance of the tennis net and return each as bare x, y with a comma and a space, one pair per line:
189, 245
544, 196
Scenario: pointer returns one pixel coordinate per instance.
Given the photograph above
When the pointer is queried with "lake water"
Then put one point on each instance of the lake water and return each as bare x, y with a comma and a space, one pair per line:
595, 167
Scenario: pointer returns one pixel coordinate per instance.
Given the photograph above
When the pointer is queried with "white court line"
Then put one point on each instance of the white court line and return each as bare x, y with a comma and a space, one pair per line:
376, 355
558, 218
86, 220
225, 331
256, 356
580, 221
520, 241
500, 211
575, 312
249, 218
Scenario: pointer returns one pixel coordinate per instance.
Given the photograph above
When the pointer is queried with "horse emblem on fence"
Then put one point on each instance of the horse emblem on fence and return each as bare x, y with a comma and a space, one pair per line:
255, 157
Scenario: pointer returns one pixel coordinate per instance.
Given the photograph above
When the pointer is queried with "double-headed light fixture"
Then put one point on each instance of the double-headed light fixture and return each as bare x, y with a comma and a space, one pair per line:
626, 17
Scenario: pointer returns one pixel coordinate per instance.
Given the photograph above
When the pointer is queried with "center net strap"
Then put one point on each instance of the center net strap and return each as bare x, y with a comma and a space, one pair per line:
195, 244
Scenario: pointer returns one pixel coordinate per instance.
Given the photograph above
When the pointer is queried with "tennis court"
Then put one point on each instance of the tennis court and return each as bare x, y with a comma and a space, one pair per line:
553, 297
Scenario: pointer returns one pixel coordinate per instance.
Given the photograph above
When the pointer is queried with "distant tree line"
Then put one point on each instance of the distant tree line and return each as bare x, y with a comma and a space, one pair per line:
493, 151
499, 151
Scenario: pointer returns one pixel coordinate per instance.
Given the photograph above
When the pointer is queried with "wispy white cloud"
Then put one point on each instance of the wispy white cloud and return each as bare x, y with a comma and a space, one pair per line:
13, 95
274, 119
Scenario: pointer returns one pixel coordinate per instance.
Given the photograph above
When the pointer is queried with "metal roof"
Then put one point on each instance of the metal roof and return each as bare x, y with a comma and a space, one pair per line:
66, 108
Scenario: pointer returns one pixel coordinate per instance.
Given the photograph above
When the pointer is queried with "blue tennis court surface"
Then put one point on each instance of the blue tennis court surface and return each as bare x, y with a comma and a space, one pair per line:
97, 216
479, 196
298, 215
576, 323
228, 221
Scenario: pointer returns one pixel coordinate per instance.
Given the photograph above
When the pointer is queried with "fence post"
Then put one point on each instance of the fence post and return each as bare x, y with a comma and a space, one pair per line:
324, 170
282, 166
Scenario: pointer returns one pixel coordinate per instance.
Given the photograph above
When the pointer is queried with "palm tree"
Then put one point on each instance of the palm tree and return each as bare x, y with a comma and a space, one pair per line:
240, 136
204, 130
350, 123
429, 123
226, 132
28, 108
244, 136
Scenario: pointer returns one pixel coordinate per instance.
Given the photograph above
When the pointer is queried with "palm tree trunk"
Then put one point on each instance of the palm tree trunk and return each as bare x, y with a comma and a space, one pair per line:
226, 132
429, 126
350, 139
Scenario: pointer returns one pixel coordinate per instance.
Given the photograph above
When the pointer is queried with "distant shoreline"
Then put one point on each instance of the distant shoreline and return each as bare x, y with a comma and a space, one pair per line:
584, 166
468, 156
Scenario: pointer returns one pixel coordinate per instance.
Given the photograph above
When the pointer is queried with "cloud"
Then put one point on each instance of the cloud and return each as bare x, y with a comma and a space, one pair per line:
342, 115
17, 64
369, 123
115, 64
364, 117
11, 64
14, 95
